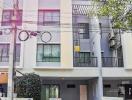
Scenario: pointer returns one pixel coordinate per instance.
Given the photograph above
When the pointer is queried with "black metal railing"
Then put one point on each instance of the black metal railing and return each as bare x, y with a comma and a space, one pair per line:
49, 59
85, 61
112, 62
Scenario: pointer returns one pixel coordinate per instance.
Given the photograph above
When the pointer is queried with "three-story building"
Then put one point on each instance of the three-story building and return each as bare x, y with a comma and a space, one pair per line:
84, 60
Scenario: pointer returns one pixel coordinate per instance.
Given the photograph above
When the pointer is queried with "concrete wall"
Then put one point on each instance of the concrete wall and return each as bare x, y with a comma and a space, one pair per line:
127, 47
116, 72
104, 36
68, 93
66, 37
28, 48
49, 4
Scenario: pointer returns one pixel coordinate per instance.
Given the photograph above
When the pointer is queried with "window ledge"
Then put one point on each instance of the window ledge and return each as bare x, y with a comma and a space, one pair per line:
52, 68
6, 67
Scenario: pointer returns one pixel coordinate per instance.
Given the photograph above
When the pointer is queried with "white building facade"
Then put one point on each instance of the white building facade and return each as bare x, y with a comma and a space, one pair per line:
84, 60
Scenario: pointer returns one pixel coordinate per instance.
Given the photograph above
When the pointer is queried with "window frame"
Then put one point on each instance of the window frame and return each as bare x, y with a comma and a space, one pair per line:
48, 23
86, 56
7, 53
85, 27
50, 58
9, 22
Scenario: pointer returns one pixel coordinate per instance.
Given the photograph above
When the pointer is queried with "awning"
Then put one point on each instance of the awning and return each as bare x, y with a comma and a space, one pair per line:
3, 77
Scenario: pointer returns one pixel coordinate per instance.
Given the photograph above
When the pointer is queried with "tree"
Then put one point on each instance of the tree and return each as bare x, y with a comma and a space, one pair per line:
120, 12
29, 86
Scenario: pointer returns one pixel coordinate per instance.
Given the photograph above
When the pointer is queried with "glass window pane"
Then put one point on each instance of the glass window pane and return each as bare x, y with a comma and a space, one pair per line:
84, 30
56, 16
18, 52
56, 51
54, 91
40, 53
6, 16
47, 92
40, 17
87, 54
43, 93
47, 16
19, 17
81, 30
47, 50
4, 52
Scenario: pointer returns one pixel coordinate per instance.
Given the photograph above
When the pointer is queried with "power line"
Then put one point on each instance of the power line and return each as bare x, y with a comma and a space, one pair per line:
57, 31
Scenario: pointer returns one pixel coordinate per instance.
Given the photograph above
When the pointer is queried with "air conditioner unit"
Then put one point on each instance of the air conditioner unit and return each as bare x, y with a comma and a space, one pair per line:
112, 43
111, 36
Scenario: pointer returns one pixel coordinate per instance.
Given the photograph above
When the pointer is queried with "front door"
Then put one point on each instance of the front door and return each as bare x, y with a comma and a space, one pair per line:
83, 92
49, 91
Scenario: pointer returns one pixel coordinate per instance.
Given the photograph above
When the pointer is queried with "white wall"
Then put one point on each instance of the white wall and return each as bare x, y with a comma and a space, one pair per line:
28, 48
127, 47
49, 4
66, 37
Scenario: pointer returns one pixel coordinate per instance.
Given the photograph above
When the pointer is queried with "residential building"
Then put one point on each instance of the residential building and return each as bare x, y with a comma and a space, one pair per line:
84, 60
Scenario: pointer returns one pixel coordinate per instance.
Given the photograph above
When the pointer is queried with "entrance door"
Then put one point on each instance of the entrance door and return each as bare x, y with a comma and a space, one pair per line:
49, 91
83, 92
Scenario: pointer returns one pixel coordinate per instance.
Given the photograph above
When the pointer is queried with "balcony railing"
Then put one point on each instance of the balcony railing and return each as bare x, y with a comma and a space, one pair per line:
112, 62
85, 61
4, 60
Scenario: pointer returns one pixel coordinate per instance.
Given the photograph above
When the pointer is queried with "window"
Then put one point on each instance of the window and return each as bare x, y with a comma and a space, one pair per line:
84, 30
4, 53
49, 91
48, 53
84, 56
7, 17
51, 17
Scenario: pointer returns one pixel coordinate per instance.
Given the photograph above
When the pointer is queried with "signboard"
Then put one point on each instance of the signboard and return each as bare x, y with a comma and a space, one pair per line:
77, 48
3, 77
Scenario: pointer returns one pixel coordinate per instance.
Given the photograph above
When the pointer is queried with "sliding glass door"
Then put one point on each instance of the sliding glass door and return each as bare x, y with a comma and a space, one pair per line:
49, 91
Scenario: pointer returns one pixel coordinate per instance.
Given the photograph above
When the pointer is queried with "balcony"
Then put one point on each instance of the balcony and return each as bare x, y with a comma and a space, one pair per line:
85, 61
112, 62
4, 60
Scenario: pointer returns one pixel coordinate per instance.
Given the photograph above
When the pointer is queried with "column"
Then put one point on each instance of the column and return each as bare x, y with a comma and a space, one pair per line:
66, 33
